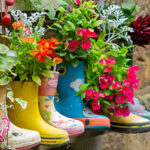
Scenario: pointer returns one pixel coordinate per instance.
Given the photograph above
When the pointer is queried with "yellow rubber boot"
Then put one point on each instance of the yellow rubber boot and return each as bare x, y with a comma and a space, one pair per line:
30, 118
130, 124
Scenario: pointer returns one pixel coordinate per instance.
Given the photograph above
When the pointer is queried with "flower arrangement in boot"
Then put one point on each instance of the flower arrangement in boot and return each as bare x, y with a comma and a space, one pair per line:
35, 57
110, 82
9, 133
75, 26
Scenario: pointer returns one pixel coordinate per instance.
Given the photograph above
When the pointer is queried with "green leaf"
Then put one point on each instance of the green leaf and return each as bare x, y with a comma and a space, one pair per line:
3, 49
61, 9
61, 2
22, 102
10, 95
72, 56
69, 26
4, 80
47, 73
129, 5
75, 63
36, 79
62, 54
52, 12
97, 23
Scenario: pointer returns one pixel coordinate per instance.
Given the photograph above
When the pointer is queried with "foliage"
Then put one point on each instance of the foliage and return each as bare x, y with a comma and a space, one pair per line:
71, 22
6, 65
116, 25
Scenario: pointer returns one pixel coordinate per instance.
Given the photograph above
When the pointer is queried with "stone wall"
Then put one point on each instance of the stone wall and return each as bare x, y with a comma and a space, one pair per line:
119, 141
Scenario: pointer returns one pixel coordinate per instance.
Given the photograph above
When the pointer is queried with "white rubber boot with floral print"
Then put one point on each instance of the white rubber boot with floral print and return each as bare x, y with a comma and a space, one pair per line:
11, 136
50, 114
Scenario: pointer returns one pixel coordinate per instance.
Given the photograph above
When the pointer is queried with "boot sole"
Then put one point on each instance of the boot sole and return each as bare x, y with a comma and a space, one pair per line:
95, 123
130, 127
53, 141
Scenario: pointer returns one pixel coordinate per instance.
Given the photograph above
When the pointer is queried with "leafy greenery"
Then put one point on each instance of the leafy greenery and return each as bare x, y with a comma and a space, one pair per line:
71, 18
6, 65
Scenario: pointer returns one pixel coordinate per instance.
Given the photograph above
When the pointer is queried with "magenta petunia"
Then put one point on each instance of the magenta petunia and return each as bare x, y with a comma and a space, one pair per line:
96, 107
118, 111
116, 85
78, 2
126, 111
110, 97
86, 43
107, 69
120, 99
73, 45
95, 95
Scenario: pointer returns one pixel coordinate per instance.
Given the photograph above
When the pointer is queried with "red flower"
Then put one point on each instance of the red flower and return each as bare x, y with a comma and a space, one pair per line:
73, 45
86, 43
107, 69
78, 2
39, 58
141, 34
86, 33
27, 30
43, 51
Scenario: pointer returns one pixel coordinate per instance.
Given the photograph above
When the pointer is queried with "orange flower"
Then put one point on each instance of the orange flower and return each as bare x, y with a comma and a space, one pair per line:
58, 60
27, 39
34, 52
43, 51
17, 24
55, 41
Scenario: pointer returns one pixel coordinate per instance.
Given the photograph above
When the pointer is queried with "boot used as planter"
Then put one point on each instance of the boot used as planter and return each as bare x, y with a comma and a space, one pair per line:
30, 118
16, 137
139, 109
130, 124
47, 109
72, 106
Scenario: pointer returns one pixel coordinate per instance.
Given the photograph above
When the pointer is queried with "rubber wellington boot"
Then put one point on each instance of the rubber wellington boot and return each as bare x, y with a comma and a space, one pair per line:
72, 106
47, 109
16, 137
30, 118
138, 109
130, 124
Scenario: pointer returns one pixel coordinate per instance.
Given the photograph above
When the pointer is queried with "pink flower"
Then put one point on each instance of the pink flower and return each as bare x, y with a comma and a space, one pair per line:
73, 45
118, 111
78, 2
69, 9
1, 139
80, 32
95, 95
86, 43
110, 61
101, 61
105, 80
120, 99
86, 33
116, 85
89, 92
27, 30
110, 97
102, 95
96, 107
107, 69
126, 111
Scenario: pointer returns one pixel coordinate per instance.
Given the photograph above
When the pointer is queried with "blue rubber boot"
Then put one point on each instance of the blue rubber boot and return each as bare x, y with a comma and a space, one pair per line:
138, 109
72, 106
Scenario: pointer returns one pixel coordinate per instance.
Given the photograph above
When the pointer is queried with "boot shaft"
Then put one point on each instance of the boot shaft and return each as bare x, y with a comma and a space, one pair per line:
2, 100
28, 91
70, 79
